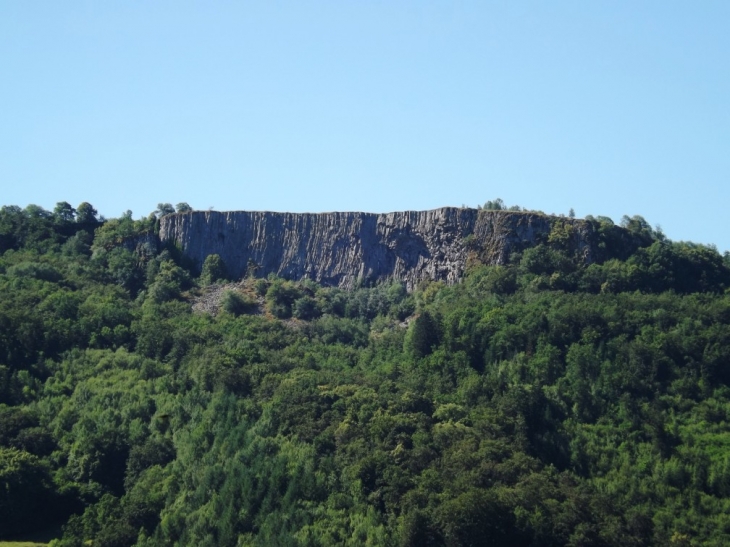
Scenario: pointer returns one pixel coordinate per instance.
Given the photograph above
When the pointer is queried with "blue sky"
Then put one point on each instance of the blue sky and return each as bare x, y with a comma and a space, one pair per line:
610, 108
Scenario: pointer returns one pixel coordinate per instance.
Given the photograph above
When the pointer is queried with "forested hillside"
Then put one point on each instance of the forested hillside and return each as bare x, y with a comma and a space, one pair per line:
542, 403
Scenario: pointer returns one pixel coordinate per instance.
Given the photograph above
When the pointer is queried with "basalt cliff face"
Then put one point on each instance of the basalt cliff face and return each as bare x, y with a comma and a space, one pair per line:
343, 249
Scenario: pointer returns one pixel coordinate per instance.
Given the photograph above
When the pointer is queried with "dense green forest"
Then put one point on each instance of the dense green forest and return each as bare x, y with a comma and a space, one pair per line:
543, 403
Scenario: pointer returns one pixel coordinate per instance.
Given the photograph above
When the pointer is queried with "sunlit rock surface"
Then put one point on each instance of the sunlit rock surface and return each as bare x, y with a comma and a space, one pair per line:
344, 249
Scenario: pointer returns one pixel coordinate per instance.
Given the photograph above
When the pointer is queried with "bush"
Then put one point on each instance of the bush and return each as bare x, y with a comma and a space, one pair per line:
306, 308
261, 286
281, 297
214, 269
36, 270
236, 303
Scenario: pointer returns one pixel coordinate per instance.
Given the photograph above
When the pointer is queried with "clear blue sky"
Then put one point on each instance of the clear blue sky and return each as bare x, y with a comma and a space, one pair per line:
609, 107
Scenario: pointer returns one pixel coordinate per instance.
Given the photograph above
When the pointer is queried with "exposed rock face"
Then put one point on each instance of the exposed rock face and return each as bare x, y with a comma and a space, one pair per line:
146, 244
342, 248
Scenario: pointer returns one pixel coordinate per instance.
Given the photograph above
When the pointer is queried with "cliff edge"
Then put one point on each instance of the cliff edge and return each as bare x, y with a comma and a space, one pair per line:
343, 249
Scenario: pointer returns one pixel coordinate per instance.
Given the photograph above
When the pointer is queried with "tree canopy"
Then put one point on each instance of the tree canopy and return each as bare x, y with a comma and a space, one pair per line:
541, 402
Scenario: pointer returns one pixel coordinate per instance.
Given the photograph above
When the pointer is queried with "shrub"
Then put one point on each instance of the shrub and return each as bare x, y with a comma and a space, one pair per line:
236, 303
213, 270
281, 297
306, 308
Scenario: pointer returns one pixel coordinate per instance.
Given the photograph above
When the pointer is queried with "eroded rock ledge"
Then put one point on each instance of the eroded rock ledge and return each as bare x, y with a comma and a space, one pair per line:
341, 249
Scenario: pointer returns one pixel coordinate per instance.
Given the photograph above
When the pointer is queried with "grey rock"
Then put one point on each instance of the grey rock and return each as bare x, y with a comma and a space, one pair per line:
344, 249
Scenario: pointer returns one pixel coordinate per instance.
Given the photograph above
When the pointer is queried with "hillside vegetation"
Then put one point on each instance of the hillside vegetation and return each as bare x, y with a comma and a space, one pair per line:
546, 402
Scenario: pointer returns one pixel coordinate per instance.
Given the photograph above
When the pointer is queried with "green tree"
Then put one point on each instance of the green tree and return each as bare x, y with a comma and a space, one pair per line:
236, 303
164, 209
478, 518
214, 269
305, 308
496, 205
423, 335
36, 211
64, 212
85, 213
183, 207
281, 297
25, 488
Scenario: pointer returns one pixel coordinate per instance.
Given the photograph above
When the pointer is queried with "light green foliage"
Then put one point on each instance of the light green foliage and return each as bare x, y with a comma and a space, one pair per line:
561, 234
169, 281
214, 269
118, 231
540, 403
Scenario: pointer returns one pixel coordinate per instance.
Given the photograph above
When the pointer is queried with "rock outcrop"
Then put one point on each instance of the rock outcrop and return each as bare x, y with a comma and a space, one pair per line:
343, 249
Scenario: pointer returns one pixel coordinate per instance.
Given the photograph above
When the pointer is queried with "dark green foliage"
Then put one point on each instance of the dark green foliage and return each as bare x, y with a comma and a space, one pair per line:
336, 330
214, 269
63, 212
236, 303
306, 308
40, 271
477, 518
280, 298
540, 403
261, 286
496, 205
31, 228
26, 490
423, 335
543, 260
19, 429
86, 214
499, 205
154, 451
164, 209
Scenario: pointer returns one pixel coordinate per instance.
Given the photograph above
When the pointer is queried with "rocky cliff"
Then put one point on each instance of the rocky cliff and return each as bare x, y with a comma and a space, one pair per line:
341, 249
